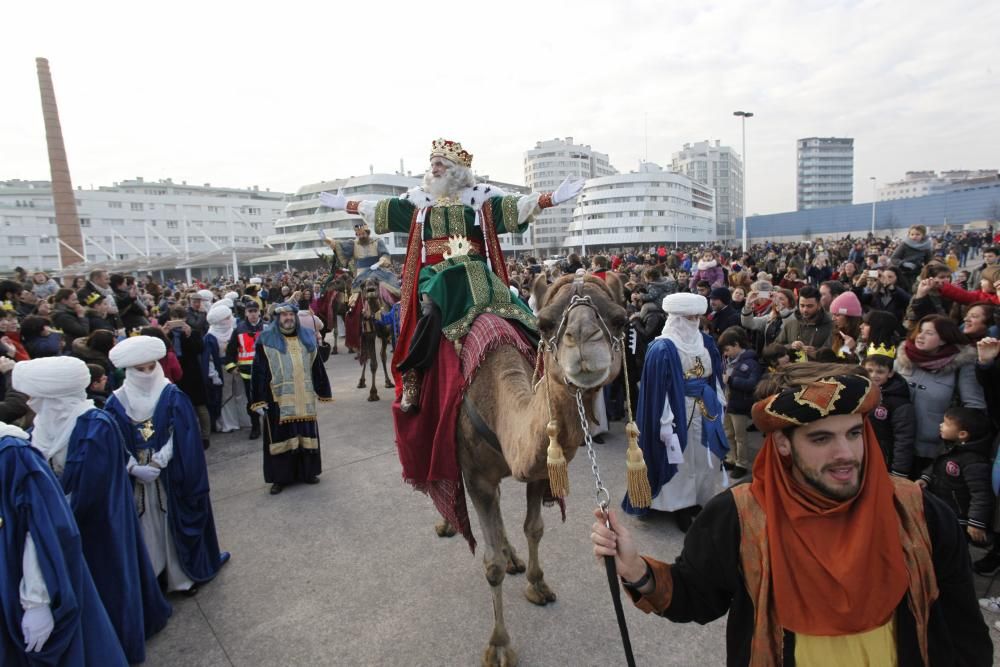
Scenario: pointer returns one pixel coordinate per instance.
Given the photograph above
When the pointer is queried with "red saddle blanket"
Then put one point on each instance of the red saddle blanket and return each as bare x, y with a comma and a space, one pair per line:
425, 441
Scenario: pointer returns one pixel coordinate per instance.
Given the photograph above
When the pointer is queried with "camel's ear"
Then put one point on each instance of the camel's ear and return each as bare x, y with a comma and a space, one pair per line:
614, 283
539, 287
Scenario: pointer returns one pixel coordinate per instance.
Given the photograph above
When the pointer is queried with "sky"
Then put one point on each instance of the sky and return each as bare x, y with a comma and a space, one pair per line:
281, 94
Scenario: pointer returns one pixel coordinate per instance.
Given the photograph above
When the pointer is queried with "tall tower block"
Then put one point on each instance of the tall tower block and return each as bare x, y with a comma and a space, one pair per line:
67, 220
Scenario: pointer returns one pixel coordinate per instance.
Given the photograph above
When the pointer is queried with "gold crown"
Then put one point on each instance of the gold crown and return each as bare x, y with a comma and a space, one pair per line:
883, 350
451, 150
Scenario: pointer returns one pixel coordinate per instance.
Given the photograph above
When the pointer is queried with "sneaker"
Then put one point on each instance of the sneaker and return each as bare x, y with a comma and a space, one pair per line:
988, 564
990, 604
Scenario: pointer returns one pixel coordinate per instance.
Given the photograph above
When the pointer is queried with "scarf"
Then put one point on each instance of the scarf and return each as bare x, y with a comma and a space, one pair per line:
222, 331
685, 335
55, 419
140, 392
837, 567
705, 265
930, 361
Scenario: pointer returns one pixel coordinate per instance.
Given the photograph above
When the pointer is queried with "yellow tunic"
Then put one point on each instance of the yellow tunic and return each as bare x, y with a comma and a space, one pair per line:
875, 648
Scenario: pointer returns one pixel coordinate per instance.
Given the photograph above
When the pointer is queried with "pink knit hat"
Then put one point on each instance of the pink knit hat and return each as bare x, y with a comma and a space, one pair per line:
846, 304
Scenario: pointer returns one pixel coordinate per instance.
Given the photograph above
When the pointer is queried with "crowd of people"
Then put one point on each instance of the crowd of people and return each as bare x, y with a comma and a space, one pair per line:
114, 363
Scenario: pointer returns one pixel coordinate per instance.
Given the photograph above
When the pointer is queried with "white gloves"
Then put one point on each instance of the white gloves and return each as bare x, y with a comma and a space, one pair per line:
6, 364
337, 202
322, 232
385, 262
217, 381
145, 473
568, 189
36, 625
261, 411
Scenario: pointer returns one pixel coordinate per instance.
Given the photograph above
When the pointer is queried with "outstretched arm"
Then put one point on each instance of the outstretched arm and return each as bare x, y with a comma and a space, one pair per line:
513, 213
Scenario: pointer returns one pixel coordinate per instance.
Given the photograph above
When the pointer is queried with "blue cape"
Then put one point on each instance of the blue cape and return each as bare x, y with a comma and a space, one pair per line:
663, 377
272, 336
189, 508
31, 499
100, 495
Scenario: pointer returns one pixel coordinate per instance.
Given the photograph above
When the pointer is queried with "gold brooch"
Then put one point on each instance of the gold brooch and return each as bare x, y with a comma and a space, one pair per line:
146, 430
447, 201
457, 246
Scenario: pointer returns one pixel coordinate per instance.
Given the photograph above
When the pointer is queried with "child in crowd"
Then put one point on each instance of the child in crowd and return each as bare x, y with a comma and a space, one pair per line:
741, 376
961, 475
894, 420
97, 391
774, 356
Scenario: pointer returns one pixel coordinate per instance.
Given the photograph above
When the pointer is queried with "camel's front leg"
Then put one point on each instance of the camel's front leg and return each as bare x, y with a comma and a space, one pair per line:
486, 500
537, 591
385, 365
373, 366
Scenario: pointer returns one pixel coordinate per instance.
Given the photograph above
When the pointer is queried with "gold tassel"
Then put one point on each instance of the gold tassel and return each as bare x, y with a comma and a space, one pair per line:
556, 462
639, 493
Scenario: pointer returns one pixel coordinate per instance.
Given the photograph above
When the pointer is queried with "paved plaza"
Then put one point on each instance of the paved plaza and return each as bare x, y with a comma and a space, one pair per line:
350, 571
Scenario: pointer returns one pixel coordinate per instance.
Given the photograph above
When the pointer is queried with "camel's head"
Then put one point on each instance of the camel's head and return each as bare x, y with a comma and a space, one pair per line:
582, 321
370, 289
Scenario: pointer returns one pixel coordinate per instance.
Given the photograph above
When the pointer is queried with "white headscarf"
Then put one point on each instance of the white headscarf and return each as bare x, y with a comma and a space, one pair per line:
140, 392
221, 324
684, 332
57, 390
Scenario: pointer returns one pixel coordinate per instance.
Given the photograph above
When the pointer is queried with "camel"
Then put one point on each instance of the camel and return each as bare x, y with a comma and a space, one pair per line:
581, 353
333, 304
371, 311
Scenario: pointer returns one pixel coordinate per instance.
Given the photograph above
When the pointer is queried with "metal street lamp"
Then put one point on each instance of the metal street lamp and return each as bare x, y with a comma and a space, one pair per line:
743, 194
874, 197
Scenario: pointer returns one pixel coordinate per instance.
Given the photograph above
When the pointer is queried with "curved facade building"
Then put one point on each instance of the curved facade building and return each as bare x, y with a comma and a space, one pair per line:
649, 207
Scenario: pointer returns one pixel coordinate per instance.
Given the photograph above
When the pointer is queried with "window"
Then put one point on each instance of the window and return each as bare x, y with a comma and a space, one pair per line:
174, 239
215, 209
85, 222
253, 210
171, 224
136, 206
114, 204
15, 240
45, 239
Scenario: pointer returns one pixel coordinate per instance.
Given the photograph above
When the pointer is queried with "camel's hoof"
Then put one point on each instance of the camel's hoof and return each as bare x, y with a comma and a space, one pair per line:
361, 384
539, 593
499, 656
389, 385
515, 565
372, 397
445, 529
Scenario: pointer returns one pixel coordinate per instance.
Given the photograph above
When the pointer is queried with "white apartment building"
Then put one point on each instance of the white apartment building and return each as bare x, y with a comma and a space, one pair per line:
922, 183
545, 167
825, 173
134, 219
648, 207
296, 232
720, 168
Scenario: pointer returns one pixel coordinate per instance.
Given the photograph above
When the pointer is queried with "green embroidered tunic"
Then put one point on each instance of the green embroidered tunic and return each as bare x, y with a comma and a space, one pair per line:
463, 287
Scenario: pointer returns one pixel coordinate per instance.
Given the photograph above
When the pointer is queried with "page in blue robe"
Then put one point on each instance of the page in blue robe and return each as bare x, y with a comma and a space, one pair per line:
210, 357
189, 508
32, 500
663, 376
97, 483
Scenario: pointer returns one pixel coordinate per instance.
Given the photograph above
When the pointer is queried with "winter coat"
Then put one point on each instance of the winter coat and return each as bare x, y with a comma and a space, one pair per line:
647, 327
723, 318
743, 379
655, 291
65, 320
911, 257
815, 334
715, 276
766, 327
933, 392
894, 425
960, 295
961, 477
893, 301
130, 310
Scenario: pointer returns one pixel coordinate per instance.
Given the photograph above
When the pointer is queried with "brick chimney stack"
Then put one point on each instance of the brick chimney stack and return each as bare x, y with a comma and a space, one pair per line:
67, 219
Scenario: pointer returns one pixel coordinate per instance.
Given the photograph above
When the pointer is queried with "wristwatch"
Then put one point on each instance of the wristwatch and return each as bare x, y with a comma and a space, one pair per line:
642, 581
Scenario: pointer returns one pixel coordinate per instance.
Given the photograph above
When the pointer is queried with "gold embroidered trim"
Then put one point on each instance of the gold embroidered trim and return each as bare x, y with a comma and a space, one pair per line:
293, 443
382, 217
411, 266
509, 209
439, 224
441, 246
456, 220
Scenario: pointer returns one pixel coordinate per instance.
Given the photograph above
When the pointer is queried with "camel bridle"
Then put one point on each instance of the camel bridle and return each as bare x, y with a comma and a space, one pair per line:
577, 300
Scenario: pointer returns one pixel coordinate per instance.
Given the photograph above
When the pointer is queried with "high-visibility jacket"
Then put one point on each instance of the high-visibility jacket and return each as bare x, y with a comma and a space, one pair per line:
244, 353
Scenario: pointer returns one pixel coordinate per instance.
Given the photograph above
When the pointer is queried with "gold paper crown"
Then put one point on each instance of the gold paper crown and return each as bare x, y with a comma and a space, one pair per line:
451, 150
883, 350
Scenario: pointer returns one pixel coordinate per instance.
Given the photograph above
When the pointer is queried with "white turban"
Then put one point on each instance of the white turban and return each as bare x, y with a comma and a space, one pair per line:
136, 351
684, 303
205, 295
218, 312
232, 296
226, 301
51, 377
256, 281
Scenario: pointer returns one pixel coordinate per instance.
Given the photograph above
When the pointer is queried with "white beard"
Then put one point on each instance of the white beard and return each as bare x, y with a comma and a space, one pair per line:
437, 186
140, 392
